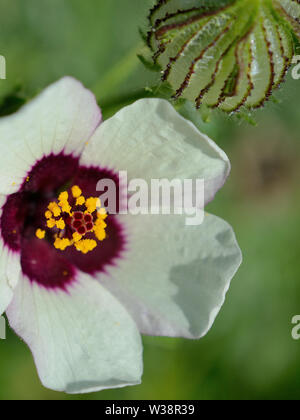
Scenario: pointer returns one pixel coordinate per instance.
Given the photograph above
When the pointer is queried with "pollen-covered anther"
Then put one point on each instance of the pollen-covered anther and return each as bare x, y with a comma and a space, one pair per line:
48, 214
77, 237
80, 201
40, 234
63, 202
54, 208
62, 243
76, 191
92, 204
60, 224
51, 223
71, 225
85, 245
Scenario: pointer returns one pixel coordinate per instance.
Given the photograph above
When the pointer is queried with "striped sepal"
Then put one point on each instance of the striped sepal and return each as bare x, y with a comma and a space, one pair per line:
224, 53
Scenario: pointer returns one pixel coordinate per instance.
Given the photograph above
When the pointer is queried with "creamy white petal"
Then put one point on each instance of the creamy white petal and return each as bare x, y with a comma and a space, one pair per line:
82, 341
60, 119
150, 140
10, 268
173, 278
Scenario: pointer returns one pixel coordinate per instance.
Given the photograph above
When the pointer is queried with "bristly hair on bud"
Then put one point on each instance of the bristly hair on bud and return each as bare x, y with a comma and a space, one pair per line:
224, 54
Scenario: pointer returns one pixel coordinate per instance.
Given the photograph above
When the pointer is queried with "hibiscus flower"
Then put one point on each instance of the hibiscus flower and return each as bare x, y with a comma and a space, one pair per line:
79, 285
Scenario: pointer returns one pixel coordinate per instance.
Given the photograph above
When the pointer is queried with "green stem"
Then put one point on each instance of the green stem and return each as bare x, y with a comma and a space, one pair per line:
118, 74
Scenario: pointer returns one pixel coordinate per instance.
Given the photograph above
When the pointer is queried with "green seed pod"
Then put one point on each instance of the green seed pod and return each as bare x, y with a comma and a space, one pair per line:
224, 53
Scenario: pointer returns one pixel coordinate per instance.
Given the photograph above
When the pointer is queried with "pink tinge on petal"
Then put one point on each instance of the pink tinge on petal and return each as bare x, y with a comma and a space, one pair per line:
24, 213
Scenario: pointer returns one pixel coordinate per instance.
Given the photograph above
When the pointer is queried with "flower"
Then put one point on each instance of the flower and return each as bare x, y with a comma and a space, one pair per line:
224, 54
80, 285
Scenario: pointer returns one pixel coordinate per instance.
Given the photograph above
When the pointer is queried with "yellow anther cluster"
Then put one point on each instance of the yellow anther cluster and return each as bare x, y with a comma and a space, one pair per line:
63, 202
85, 245
54, 220
62, 243
60, 224
48, 214
55, 209
51, 223
77, 237
100, 226
63, 197
80, 201
40, 234
76, 191
91, 204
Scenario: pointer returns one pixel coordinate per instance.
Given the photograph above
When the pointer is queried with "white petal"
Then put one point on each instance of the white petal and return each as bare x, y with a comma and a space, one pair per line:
61, 119
150, 140
10, 268
83, 341
173, 279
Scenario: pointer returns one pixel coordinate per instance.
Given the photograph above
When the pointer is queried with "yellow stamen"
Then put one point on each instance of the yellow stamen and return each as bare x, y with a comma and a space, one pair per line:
65, 206
51, 223
64, 196
100, 233
102, 213
77, 237
85, 245
60, 224
48, 214
62, 244
100, 222
40, 234
56, 219
80, 201
76, 191
64, 203
55, 209
92, 203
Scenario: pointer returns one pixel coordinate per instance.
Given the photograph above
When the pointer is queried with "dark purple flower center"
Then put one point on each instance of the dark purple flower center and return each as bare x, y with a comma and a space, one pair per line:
25, 229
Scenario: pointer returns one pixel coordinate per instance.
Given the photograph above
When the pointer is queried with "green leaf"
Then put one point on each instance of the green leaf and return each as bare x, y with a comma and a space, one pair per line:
12, 102
224, 53
148, 63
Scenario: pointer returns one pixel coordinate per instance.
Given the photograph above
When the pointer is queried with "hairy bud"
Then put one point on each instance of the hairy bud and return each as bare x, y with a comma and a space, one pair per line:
224, 53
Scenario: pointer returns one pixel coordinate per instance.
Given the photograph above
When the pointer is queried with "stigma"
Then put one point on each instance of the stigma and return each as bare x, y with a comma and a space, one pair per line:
73, 220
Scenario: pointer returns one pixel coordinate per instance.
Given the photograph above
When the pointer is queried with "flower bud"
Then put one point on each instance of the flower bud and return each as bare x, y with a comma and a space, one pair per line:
224, 53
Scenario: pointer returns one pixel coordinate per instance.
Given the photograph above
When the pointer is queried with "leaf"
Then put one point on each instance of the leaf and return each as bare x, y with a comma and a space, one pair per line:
224, 53
147, 63
12, 102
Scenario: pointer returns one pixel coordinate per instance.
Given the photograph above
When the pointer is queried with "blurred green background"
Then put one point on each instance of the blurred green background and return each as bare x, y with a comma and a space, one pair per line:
249, 353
